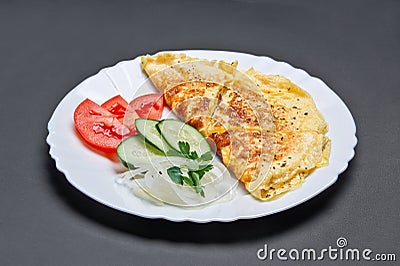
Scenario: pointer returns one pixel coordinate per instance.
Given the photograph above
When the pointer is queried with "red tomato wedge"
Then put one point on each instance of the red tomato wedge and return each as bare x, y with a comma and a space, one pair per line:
118, 106
148, 106
99, 127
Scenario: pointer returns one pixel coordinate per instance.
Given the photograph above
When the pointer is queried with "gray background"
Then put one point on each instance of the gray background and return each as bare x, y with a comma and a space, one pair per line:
48, 47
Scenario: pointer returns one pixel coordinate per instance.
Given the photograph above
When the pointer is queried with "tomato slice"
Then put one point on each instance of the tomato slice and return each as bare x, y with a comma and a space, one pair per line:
99, 127
118, 106
148, 106
103, 127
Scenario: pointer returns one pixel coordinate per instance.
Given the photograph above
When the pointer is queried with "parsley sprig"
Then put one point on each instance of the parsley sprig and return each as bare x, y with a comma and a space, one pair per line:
193, 175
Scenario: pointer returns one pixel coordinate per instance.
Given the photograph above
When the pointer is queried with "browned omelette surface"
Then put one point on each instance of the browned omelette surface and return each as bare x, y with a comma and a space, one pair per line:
225, 118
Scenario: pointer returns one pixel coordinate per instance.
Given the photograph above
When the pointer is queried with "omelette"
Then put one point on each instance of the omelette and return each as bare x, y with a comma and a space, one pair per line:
267, 130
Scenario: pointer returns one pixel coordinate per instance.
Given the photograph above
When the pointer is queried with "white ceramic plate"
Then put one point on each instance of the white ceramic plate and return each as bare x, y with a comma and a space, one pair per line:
94, 174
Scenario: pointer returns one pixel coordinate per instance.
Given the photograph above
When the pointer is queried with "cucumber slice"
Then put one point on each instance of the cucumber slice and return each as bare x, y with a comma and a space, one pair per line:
174, 131
147, 128
134, 151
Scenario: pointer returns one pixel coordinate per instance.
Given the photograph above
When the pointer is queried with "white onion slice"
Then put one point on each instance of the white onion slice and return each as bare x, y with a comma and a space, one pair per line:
151, 182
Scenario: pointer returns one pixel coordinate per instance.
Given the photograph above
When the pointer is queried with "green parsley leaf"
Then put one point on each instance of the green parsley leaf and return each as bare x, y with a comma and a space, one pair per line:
206, 156
188, 181
184, 148
202, 171
175, 174
194, 162
193, 155
196, 182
